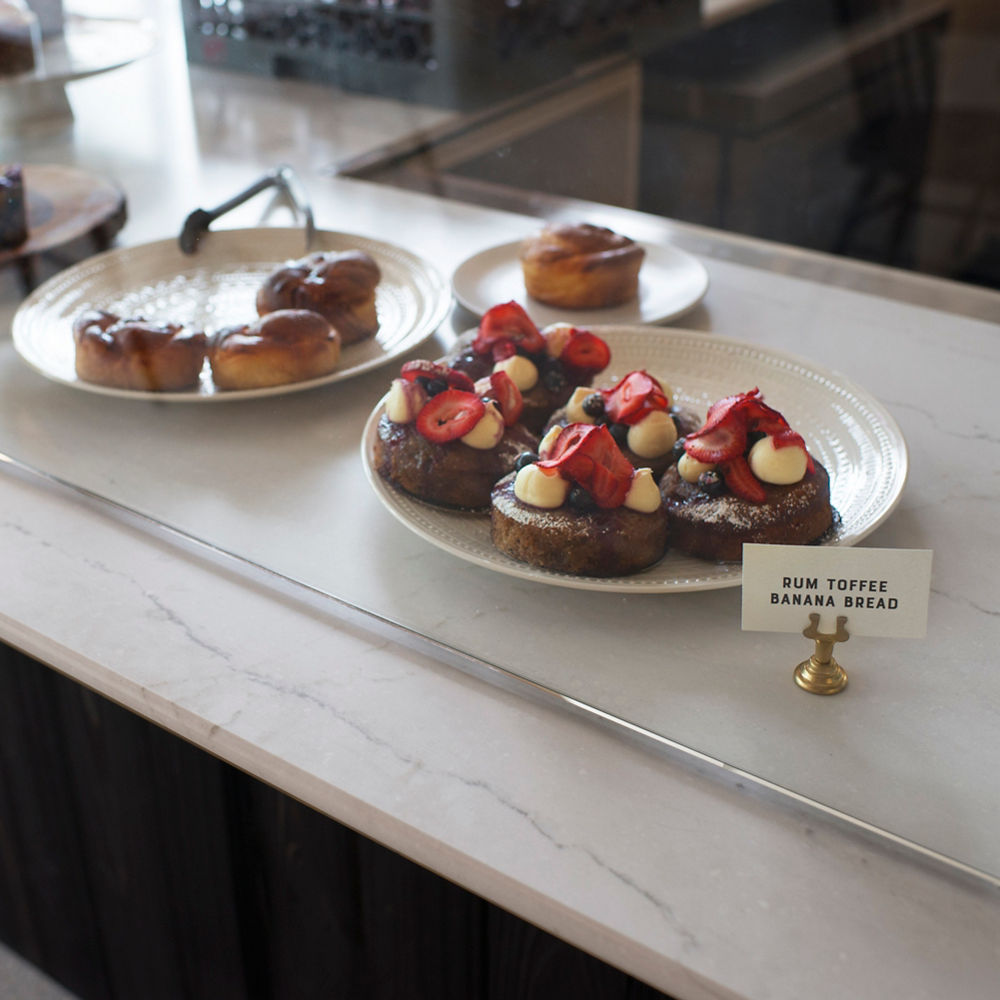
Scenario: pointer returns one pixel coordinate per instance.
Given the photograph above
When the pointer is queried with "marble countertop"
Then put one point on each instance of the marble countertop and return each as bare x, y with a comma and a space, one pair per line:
700, 884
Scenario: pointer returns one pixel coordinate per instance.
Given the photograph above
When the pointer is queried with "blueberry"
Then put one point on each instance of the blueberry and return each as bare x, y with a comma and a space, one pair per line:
525, 458
711, 482
593, 405
678, 449
620, 433
579, 499
554, 379
435, 385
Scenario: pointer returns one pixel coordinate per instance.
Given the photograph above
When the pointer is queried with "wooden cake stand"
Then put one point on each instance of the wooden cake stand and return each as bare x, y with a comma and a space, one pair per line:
71, 214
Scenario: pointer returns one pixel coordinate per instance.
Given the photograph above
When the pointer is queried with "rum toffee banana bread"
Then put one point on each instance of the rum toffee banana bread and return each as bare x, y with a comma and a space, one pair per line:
339, 286
638, 413
745, 476
580, 507
581, 266
289, 345
137, 353
446, 439
545, 365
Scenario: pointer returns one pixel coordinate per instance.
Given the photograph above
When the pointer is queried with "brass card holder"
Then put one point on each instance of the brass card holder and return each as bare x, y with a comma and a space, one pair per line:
821, 673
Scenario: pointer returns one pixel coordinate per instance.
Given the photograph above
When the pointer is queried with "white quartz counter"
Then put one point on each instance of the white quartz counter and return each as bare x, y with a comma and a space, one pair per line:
648, 860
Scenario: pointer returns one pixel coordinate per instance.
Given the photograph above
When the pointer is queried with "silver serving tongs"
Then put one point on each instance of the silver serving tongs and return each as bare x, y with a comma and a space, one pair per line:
289, 189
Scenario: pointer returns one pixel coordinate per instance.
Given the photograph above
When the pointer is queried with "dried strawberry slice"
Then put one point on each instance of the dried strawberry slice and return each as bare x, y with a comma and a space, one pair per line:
450, 415
587, 454
636, 395
585, 354
764, 418
508, 397
508, 321
413, 370
723, 435
723, 442
728, 409
741, 480
502, 350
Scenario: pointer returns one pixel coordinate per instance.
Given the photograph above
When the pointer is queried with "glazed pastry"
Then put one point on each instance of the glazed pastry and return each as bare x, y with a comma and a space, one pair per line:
447, 440
580, 507
544, 364
745, 476
290, 345
638, 413
136, 353
581, 267
338, 286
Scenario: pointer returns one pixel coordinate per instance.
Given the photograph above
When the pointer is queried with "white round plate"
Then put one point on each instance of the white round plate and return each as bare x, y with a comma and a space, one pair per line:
671, 283
846, 429
216, 287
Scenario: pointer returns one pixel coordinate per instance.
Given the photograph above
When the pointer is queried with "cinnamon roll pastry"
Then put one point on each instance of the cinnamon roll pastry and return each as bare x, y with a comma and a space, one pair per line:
137, 353
338, 286
288, 345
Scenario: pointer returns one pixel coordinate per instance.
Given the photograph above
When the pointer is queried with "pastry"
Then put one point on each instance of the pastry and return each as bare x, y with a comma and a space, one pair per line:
289, 345
580, 508
638, 413
581, 267
447, 440
339, 286
137, 353
13, 209
544, 364
745, 476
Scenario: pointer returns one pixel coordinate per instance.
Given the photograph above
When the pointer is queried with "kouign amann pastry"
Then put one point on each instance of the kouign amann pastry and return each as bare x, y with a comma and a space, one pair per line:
137, 353
289, 345
544, 364
639, 414
745, 476
581, 266
580, 507
447, 439
339, 286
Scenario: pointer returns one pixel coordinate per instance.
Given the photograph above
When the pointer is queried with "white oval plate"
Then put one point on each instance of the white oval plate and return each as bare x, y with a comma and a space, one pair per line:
671, 283
845, 428
216, 287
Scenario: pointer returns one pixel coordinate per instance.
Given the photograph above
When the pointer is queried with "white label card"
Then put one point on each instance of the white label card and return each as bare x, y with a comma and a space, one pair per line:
882, 592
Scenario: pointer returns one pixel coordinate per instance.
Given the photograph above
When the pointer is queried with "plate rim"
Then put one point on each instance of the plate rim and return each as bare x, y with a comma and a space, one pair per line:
437, 312
587, 315
733, 577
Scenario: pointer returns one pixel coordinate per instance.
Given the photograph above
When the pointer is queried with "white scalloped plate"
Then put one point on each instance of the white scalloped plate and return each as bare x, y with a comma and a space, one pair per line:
671, 283
849, 431
216, 287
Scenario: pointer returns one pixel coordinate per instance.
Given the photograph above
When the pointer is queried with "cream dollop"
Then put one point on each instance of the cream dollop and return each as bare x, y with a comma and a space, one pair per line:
521, 370
545, 445
779, 466
643, 495
404, 401
654, 435
488, 431
690, 468
540, 487
574, 406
